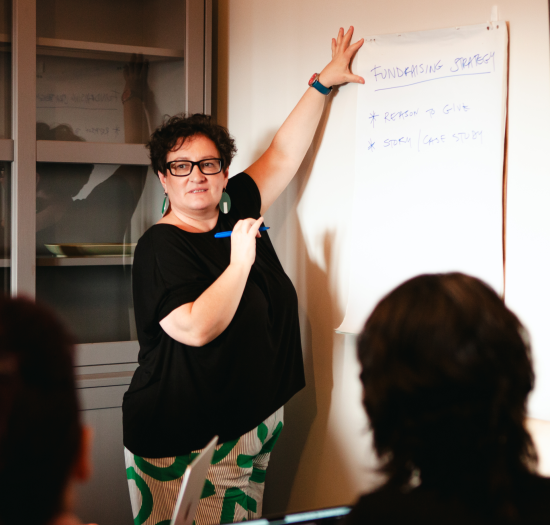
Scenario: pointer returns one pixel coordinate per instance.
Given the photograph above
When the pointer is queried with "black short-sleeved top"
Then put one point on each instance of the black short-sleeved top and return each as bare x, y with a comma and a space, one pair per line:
181, 396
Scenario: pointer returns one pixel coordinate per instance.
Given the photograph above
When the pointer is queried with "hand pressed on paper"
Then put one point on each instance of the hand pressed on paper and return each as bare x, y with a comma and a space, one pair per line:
338, 69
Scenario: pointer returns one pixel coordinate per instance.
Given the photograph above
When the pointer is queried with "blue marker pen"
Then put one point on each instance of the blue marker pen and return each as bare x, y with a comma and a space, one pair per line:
221, 235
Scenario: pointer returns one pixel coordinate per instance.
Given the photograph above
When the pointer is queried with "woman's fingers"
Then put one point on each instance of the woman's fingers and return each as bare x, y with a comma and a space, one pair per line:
344, 46
356, 79
338, 70
243, 241
255, 227
340, 36
354, 47
344, 39
350, 53
136, 69
250, 226
244, 225
347, 37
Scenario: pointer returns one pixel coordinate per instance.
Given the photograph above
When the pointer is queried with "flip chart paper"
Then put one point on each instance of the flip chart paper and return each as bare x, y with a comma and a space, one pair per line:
429, 160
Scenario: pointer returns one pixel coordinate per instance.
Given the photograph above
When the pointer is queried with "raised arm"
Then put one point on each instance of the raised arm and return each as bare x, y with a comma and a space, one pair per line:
273, 171
135, 77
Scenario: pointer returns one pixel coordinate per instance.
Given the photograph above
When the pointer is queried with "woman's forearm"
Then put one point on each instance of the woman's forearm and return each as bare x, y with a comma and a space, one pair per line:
294, 137
135, 76
273, 171
133, 120
199, 322
277, 166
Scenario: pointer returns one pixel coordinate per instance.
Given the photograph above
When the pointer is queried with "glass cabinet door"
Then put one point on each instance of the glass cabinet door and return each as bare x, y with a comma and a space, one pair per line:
5, 226
5, 69
106, 74
88, 221
94, 57
83, 83
6, 144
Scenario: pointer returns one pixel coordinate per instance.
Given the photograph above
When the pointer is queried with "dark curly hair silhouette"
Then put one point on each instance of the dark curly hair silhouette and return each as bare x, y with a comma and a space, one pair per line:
446, 370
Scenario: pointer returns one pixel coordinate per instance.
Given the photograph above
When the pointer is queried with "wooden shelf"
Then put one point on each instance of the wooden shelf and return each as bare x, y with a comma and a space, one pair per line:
92, 152
99, 50
46, 260
120, 368
103, 380
106, 353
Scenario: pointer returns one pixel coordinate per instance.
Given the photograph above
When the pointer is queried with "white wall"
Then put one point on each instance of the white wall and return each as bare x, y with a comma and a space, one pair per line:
266, 53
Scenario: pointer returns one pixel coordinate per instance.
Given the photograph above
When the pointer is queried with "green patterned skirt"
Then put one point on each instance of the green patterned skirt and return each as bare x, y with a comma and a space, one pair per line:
234, 484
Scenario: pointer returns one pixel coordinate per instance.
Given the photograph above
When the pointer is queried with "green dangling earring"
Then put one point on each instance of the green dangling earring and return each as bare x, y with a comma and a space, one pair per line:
164, 203
225, 202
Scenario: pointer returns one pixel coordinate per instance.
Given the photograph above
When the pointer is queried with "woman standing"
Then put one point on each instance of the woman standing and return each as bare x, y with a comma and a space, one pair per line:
217, 319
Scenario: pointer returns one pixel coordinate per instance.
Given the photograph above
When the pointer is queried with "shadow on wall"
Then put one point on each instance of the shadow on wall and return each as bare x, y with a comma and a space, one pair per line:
308, 441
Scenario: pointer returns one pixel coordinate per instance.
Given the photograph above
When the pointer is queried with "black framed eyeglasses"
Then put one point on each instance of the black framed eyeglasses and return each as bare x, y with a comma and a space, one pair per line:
183, 168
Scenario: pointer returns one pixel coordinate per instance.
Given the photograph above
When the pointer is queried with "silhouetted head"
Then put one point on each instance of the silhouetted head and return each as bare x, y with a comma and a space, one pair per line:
177, 129
446, 371
40, 431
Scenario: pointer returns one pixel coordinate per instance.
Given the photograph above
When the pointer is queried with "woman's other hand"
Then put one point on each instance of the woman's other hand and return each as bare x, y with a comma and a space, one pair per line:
338, 70
243, 242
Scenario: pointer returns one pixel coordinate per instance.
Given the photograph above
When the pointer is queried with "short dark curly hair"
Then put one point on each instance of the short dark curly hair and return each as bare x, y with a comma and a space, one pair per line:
179, 128
446, 371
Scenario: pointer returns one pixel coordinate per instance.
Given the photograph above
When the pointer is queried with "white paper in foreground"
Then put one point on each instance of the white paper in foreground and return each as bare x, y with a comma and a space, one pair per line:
429, 160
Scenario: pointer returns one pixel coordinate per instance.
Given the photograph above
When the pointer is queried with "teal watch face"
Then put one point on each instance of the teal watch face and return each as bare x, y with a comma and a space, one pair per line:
312, 79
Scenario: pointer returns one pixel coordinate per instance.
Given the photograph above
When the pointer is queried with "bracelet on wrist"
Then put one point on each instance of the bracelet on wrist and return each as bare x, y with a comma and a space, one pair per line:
128, 94
314, 83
